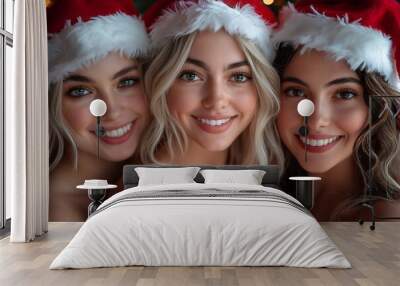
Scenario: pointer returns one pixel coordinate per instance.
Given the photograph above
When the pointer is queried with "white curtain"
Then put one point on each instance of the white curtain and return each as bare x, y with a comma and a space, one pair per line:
27, 147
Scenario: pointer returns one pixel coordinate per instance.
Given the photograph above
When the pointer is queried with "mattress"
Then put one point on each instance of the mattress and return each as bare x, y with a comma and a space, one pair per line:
201, 225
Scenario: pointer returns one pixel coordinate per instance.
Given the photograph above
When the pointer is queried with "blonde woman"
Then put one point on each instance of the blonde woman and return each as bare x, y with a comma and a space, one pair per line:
213, 91
98, 55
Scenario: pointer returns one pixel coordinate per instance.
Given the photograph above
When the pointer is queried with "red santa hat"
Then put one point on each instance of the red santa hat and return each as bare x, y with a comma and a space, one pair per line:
83, 31
246, 18
365, 33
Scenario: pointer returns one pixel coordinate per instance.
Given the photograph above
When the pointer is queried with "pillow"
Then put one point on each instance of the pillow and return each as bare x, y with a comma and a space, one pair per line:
162, 176
249, 177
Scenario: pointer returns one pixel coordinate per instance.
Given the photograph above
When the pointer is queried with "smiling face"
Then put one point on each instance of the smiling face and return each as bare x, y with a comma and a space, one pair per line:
115, 79
214, 97
340, 114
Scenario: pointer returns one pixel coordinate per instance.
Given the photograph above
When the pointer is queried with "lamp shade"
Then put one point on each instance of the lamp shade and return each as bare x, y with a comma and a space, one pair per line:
98, 107
305, 107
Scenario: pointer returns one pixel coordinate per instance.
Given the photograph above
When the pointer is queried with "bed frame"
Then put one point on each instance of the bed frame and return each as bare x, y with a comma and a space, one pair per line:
270, 179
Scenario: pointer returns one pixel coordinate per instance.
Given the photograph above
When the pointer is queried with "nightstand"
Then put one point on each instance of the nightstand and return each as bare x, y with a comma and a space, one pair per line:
97, 190
305, 190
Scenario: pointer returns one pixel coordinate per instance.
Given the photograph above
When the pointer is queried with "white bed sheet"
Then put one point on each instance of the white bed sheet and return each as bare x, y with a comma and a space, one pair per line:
189, 231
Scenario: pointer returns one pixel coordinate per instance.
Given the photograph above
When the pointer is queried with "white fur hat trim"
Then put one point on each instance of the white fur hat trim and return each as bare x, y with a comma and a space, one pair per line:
85, 42
362, 47
212, 15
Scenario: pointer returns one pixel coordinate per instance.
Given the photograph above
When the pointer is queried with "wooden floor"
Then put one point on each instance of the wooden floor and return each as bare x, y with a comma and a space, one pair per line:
374, 255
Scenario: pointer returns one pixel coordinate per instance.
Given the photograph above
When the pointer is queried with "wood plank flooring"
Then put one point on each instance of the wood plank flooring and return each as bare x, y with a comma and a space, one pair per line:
374, 255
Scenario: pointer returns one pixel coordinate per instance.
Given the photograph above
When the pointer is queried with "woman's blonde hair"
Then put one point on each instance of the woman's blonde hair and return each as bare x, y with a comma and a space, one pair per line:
58, 131
258, 144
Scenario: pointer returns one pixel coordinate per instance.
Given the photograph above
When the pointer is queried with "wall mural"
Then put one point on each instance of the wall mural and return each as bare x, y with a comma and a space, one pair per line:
212, 83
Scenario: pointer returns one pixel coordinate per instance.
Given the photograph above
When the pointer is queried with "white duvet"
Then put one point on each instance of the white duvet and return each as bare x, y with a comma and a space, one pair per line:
187, 230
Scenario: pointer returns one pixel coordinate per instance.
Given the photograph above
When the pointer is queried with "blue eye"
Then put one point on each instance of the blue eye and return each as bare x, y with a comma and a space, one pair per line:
294, 92
346, 95
189, 76
79, 92
240, 77
128, 82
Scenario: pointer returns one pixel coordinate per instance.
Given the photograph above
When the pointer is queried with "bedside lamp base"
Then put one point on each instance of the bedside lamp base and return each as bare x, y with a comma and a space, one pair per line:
96, 197
305, 193
305, 190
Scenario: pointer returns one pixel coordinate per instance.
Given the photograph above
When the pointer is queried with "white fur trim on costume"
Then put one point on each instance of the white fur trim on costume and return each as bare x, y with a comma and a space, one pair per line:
396, 80
212, 15
397, 85
360, 46
84, 42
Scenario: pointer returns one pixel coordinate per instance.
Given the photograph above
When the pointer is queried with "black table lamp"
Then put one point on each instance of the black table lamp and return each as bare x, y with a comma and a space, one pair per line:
98, 108
305, 108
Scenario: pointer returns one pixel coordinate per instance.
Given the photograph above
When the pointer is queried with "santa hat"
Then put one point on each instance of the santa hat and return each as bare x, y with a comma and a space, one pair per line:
365, 33
83, 31
249, 19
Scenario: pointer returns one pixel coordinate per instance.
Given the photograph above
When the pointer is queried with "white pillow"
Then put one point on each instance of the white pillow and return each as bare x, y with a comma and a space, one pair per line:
248, 177
162, 176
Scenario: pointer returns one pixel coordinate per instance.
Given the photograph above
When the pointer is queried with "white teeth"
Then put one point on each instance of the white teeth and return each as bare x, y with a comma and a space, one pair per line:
319, 143
119, 132
213, 122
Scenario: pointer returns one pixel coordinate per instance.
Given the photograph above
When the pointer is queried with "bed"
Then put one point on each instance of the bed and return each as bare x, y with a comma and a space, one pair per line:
201, 223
